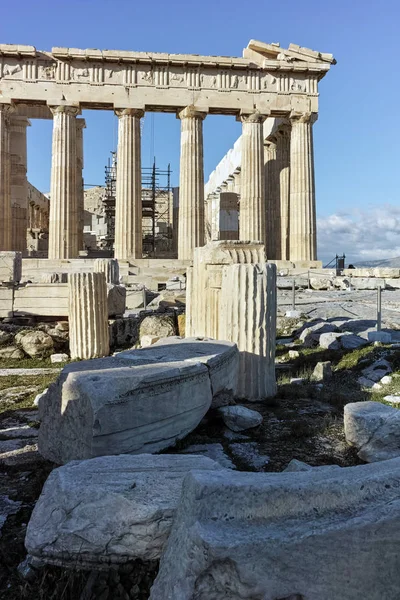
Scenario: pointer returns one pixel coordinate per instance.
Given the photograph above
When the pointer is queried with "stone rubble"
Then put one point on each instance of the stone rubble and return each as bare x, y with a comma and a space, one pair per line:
374, 429
239, 418
233, 548
102, 512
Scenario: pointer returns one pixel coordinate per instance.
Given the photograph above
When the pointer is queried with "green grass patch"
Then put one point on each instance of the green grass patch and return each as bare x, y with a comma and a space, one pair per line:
29, 363
10, 381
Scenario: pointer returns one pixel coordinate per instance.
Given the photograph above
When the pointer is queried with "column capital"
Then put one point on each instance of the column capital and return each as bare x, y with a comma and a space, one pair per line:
80, 124
7, 107
68, 109
254, 117
19, 124
131, 112
303, 117
191, 112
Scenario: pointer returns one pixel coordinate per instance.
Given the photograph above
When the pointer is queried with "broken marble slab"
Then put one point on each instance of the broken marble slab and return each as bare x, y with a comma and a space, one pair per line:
134, 402
96, 513
374, 429
322, 534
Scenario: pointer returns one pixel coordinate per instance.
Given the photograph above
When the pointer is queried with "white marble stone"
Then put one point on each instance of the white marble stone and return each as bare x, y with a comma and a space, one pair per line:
374, 429
136, 401
109, 510
88, 315
248, 318
261, 536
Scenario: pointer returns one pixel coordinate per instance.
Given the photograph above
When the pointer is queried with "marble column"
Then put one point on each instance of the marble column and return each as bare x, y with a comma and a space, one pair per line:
237, 181
191, 183
303, 238
283, 164
252, 197
63, 227
5, 176
248, 310
19, 182
128, 206
80, 198
271, 175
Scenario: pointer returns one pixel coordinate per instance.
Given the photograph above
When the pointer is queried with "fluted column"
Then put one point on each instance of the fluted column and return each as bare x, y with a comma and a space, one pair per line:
80, 126
248, 318
271, 175
303, 235
237, 181
128, 206
88, 315
110, 268
5, 176
252, 197
283, 163
63, 227
191, 183
19, 182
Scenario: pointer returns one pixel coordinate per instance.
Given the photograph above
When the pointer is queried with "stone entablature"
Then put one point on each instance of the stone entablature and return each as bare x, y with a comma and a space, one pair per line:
268, 78
268, 81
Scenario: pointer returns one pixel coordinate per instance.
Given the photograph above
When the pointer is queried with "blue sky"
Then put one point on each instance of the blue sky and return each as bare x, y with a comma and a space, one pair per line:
356, 136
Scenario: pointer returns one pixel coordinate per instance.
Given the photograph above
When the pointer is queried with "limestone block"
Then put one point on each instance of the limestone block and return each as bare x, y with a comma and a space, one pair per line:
248, 318
366, 283
54, 278
204, 282
158, 325
377, 370
240, 418
88, 315
11, 266
391, 283
35, 343
330, 340
380, 336
350, 341
148, 340
321, 283
286, 283
374, 429
372, 272
6, 301
392, 399
59, 358
11, 352
136, 401
110, 268
236, 533
116, 300
108, 510
310, 336
49, 299
322, 371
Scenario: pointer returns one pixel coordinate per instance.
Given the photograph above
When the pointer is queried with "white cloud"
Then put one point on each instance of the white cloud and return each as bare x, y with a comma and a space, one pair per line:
371, 234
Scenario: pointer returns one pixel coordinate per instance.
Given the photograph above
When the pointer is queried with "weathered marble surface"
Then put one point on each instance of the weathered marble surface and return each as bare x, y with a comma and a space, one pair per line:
137, 401
322, 534
109, 510
374, 429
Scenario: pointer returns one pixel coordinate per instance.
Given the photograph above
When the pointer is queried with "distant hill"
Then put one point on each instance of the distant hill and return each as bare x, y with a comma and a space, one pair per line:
388, 262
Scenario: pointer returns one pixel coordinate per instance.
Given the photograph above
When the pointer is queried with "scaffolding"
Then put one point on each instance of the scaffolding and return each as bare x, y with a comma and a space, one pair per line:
156, 206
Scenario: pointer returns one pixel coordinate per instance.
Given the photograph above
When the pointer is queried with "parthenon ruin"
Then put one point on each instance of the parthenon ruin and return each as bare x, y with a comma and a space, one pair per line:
273, 91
